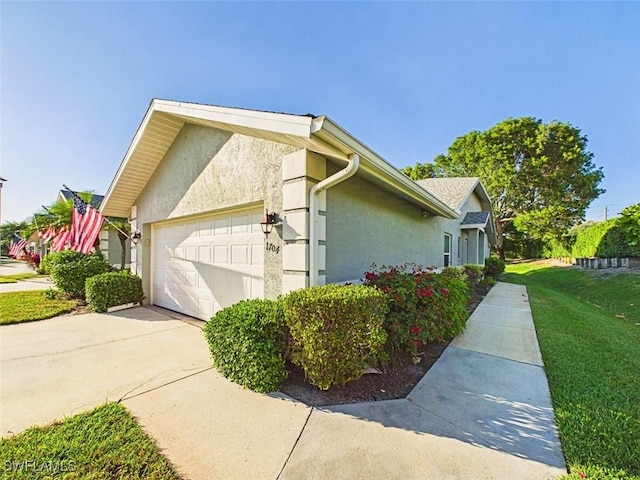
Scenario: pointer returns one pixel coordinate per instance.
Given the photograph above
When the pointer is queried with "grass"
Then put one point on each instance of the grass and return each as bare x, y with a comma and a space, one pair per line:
588, 326
15, 277
106, 442
27, 306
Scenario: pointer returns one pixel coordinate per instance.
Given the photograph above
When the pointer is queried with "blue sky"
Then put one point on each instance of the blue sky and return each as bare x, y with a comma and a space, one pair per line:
405, 78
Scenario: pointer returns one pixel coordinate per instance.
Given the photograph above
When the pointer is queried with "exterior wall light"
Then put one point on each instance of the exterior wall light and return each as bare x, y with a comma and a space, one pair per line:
267, 222
135, 237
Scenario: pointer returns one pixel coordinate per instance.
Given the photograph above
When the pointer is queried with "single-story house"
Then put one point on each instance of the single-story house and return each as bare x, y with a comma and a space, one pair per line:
198, 180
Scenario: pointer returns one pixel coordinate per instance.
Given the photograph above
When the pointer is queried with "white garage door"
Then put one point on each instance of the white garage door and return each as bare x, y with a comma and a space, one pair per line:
205, 264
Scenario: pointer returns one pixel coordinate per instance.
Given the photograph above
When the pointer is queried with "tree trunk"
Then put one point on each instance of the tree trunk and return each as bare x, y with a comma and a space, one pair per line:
500, 239
123, 250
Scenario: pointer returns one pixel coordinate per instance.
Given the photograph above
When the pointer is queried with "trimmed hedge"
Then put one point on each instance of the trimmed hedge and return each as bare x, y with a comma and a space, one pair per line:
423, 306
69, 270
247, 343
336, 330
493, 267
111, 289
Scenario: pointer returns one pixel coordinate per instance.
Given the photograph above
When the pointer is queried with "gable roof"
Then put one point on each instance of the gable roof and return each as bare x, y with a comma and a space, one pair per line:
454, 191
475, 218
95, 200
164, 119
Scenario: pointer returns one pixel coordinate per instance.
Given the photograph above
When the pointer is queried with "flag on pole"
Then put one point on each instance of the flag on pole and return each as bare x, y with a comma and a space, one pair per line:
18, 244
86, 223
48, 234
60, 241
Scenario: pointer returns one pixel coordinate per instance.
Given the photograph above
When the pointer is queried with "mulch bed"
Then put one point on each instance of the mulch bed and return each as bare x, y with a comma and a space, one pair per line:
388, 385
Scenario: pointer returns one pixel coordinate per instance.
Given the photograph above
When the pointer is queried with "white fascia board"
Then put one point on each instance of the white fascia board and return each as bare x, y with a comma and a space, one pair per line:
296, 125
378, 166
132, 146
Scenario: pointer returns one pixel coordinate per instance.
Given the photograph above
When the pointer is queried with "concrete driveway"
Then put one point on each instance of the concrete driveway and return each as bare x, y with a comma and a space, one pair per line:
482, 411
64, 365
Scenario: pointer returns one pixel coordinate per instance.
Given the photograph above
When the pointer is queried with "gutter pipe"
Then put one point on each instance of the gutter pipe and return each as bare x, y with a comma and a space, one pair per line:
336, 178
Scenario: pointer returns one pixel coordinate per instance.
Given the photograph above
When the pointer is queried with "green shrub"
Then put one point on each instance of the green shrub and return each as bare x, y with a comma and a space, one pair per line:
423, 306
70, 270
493, 266
111, 289
45, 264
336, 330
475, 274
247, 343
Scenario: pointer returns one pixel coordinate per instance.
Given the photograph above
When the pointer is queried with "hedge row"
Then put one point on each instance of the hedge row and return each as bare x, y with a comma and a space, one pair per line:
333, 332
89, 277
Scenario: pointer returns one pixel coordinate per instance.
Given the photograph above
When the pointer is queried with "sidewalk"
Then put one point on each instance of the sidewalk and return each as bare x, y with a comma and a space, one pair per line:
483, 411
13, 267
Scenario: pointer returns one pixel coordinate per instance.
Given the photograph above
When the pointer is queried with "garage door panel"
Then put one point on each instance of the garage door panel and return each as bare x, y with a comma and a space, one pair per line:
221, 227
202, 266
239, 254
205, 255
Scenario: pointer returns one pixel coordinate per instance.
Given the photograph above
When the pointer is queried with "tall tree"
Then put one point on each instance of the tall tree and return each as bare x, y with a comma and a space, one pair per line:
540, 176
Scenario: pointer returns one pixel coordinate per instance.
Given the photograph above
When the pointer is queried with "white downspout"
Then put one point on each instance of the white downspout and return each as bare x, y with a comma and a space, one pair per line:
336, 178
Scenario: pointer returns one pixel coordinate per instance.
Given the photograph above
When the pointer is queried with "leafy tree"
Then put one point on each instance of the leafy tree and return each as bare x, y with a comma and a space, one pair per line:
420, 171
540, 177
629, 222
7, 229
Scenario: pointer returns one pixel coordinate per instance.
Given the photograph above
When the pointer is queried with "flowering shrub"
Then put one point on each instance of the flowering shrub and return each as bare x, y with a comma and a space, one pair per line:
423, 306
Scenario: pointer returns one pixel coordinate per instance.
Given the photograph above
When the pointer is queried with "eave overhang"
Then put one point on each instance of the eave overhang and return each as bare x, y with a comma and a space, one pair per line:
164, 119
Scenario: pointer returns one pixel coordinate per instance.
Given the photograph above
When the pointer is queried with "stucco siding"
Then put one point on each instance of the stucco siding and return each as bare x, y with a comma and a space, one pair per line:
366, 225
208, 170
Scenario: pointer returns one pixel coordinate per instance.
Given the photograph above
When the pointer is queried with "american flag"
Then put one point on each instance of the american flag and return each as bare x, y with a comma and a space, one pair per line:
18, 244
48, 234
60, 241
86, 223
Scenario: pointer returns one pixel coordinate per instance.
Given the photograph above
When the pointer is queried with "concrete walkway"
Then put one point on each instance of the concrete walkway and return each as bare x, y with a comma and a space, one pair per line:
482, 411
13, 267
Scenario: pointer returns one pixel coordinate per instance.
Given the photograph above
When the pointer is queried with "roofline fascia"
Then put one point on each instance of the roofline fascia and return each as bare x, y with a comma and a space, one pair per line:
134, 142
379, 166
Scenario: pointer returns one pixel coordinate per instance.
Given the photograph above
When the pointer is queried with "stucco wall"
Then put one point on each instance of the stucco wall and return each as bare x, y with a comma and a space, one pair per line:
366, 225
208, 170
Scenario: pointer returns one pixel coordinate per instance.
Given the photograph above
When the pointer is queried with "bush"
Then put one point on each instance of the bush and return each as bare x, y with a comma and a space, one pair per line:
111, 289
247, 343
70, 270
51, 259
475, 274
423, 306
493, 267
337, 330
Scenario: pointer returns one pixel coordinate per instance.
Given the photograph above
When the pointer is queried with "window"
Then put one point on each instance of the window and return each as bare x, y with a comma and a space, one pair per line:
447, 249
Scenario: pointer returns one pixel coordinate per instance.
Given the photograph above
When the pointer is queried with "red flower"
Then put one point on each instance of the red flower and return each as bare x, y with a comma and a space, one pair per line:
444, 291
370, 276
417, 342
425, 293
415, 330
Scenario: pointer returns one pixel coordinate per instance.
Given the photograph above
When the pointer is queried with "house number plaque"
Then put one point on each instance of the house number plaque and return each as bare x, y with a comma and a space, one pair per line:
273, 248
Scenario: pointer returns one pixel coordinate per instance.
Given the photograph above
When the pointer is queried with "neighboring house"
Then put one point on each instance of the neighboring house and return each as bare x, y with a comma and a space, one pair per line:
197, 179
110, 245
468, 238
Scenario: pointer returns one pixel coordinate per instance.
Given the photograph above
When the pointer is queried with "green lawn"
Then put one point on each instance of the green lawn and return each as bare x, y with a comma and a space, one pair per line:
103, 443
588, 326
27, 306
14, 277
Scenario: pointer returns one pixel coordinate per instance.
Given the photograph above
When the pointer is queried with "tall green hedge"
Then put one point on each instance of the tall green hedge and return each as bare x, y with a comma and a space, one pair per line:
337, 331
604, 239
